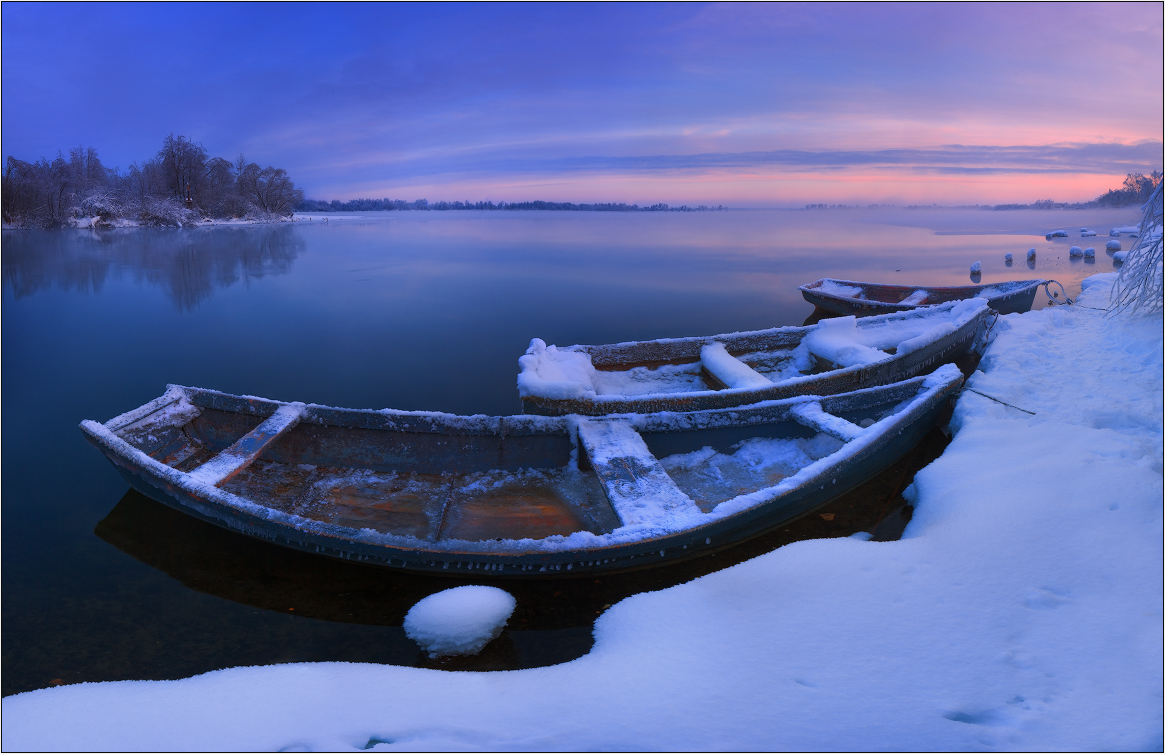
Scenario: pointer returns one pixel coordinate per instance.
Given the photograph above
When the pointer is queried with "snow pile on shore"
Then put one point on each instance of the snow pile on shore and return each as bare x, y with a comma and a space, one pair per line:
1021, 611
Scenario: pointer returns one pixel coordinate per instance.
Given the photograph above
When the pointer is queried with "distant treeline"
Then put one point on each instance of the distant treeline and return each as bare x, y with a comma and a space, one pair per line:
181, 185
383, 205
1135, 191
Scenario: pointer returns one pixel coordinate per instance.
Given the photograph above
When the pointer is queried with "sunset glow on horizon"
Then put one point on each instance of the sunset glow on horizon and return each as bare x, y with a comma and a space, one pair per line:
742, 105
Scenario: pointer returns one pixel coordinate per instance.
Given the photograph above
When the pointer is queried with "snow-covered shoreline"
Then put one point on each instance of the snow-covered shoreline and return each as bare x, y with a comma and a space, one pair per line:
97, 223
1020, 611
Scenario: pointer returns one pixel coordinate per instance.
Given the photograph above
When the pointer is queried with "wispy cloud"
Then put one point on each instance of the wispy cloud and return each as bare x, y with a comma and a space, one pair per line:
947, 159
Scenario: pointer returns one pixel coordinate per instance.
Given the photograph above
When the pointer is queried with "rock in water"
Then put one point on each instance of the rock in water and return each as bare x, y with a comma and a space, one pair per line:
1090, 253
976, 268
459, 621
1075, 251
1031, 254
1007, 257
1113, 245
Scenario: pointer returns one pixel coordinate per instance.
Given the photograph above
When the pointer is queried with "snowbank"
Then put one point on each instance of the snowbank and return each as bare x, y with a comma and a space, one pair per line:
1021, 611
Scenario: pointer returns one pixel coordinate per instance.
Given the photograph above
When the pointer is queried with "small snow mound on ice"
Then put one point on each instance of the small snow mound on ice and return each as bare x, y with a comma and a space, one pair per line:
976, 267
1086, 233
1075, 251
1090, 253
459, 621
1113, 245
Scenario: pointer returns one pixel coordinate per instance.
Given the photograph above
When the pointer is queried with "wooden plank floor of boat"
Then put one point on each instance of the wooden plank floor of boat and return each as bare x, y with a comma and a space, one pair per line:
480, 506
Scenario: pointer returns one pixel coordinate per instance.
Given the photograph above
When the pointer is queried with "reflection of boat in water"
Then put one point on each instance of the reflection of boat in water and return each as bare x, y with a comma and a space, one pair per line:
736, 369
850, 297
520, 496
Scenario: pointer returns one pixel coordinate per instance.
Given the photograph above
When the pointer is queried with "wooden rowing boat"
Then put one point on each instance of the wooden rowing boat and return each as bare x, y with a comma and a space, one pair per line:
735, 369
849, 297
515, 496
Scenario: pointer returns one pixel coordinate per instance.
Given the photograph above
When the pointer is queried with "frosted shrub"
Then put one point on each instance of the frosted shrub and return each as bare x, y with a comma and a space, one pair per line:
1138, 288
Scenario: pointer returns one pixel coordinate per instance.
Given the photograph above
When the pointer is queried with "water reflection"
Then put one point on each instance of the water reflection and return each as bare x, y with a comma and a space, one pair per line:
553, 619
187, 264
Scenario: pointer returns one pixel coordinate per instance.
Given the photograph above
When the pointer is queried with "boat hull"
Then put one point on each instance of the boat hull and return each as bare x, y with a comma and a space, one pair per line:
515, 560
884, 299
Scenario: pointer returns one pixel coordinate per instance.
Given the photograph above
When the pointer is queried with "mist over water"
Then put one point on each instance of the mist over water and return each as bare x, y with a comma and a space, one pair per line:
409, 310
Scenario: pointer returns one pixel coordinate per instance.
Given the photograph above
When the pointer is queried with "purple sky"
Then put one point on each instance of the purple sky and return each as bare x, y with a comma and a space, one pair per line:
746, 105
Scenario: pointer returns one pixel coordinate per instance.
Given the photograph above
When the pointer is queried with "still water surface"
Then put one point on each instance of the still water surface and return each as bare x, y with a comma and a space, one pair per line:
403, 310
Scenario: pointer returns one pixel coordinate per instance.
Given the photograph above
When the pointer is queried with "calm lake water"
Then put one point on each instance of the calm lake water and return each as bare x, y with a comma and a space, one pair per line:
404, 310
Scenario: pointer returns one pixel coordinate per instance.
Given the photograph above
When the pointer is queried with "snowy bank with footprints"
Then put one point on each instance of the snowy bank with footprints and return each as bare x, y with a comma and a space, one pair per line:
1021, 610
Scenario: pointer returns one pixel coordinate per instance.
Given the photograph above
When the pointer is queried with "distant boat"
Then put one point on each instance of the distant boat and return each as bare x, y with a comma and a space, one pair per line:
735, 369
515, 496
863, 299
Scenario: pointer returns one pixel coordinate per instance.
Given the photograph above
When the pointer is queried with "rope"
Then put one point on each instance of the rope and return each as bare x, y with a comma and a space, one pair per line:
1017, 408
1067, 301
1052, 298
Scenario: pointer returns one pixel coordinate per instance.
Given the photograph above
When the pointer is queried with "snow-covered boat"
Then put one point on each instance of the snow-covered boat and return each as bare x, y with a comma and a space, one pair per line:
514, 496
863, 299
735, 369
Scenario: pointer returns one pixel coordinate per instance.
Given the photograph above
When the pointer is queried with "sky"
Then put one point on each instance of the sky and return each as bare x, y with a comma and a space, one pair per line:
747, 105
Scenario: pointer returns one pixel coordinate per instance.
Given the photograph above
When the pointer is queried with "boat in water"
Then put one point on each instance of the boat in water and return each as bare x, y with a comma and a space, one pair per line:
514, 496
851, 297
734, 369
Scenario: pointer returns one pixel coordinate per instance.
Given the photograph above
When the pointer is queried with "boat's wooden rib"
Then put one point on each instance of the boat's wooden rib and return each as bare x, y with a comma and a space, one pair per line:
862, 299
735, 369
518, 496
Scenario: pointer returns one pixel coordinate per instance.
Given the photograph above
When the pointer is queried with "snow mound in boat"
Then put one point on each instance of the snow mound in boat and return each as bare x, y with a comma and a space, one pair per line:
839, 289
838, 340
459, 621
555, 373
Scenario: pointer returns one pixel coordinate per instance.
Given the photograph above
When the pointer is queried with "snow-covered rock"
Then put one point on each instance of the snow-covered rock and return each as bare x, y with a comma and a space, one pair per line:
1075, 251
459, 621
976, 267
1113, 245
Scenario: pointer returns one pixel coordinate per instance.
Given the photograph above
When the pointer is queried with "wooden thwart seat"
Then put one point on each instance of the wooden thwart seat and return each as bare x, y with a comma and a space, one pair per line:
250, 446
811, 415
636, 484
730, 370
